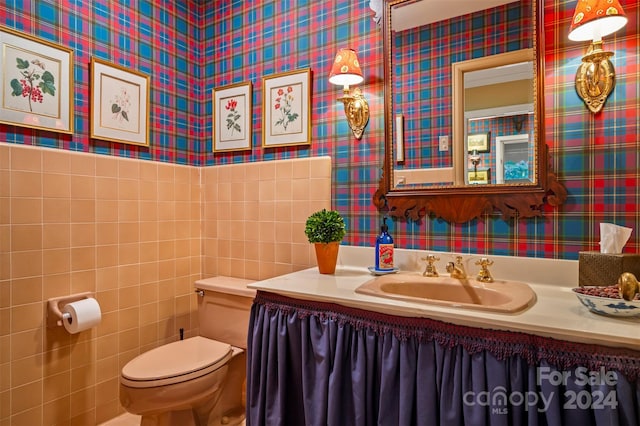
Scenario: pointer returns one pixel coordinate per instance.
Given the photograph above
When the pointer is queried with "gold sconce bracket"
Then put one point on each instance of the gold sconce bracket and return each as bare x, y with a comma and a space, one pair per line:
595, 77
356, 109
592, 20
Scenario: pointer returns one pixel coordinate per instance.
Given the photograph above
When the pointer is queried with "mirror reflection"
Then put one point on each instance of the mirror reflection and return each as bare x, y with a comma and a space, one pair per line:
497, 118
497, 142
454, 149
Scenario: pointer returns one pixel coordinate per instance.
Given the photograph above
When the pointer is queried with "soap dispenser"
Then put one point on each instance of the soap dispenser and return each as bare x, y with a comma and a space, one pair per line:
384, 248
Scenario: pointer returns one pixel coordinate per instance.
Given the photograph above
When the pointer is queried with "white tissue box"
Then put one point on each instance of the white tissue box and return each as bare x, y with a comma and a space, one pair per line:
595, 268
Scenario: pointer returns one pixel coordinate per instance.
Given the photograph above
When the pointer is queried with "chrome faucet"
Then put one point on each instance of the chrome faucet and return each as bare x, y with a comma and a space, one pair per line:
456, 269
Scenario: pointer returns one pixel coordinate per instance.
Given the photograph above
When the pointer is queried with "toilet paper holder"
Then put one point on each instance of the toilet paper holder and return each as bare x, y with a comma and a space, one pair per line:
55, 305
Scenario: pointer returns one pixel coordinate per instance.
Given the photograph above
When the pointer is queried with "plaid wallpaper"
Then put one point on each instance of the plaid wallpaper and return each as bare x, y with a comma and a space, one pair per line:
158, 38
190, 47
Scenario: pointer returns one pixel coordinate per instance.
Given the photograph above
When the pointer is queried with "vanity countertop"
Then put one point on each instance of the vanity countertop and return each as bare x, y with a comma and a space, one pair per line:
557, 312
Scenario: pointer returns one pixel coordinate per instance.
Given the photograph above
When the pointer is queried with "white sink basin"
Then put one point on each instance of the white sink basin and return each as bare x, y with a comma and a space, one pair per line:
498, 296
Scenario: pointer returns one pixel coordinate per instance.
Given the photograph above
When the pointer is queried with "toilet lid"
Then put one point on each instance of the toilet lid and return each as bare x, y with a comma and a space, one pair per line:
175, 362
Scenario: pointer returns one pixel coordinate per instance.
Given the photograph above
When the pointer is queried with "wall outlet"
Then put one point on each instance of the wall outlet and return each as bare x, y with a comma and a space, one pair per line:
443, 143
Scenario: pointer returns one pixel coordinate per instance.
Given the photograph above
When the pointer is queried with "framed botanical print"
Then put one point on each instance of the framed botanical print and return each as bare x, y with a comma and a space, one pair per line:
36, 78
232, 117
286, 109
119, 104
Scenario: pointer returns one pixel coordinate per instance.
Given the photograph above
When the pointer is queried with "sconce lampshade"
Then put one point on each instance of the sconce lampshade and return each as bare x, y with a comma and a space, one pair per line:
345, 70
594, 19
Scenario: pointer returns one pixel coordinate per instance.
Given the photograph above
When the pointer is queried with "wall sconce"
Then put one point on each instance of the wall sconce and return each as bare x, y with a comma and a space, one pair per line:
474, 157
592, 20
346, 72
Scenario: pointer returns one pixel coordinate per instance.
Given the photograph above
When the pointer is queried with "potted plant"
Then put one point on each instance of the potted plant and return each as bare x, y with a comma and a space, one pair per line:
325, 228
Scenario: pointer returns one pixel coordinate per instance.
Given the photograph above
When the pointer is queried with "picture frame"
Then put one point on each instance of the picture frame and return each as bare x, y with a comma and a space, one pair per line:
36, 82
119, 103
479, 176
232, 117
479, 142
286, 109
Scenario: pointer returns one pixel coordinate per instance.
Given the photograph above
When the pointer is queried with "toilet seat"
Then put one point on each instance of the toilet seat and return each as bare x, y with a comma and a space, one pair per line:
176, 362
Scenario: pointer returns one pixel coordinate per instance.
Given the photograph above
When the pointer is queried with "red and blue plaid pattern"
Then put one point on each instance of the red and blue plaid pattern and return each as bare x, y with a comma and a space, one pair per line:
190, 47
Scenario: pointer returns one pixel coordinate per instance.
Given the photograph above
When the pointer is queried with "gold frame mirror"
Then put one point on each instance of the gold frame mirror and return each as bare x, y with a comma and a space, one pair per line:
456, 196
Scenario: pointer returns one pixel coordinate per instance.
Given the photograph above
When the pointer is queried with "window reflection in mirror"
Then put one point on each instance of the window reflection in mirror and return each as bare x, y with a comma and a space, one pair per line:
499, 124
493, 118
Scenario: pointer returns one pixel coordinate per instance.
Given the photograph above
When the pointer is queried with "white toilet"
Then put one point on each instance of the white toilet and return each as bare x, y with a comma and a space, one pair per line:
199, 380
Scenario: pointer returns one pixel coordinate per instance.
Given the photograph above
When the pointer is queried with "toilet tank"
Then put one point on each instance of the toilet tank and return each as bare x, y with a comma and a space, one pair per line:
223, 309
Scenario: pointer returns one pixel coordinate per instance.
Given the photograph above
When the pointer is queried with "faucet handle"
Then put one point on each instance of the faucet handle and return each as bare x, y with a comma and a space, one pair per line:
484, 275
430, 268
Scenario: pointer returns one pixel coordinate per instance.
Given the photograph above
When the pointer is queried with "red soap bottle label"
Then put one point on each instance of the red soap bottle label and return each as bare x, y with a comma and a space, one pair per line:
386, 256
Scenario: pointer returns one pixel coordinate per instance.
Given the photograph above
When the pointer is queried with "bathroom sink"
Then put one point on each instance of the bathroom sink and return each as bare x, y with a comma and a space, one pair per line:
498, 296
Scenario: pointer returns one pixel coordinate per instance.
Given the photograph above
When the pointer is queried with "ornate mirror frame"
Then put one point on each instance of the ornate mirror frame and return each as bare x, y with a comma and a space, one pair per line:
463, 203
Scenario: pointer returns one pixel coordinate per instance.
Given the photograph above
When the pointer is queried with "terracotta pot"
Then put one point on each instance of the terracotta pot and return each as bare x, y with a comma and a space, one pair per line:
327, 256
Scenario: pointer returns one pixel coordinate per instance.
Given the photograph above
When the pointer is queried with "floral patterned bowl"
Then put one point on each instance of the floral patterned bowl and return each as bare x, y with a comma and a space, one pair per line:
616, 307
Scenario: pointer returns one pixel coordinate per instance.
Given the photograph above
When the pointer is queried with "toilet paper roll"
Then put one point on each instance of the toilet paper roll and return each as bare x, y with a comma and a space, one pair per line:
81, 315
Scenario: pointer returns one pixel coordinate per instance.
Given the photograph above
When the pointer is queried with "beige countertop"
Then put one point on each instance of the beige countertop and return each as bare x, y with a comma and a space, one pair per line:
557, 312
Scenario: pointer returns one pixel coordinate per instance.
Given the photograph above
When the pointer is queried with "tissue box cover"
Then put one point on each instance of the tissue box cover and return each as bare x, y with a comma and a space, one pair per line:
595, 268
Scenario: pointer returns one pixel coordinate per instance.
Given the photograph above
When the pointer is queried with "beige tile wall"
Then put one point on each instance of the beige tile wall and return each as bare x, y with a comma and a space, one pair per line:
254, 216
127, 230
138, 234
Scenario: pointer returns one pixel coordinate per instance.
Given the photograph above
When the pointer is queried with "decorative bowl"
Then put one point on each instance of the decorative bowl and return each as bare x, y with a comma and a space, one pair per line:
611, 306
